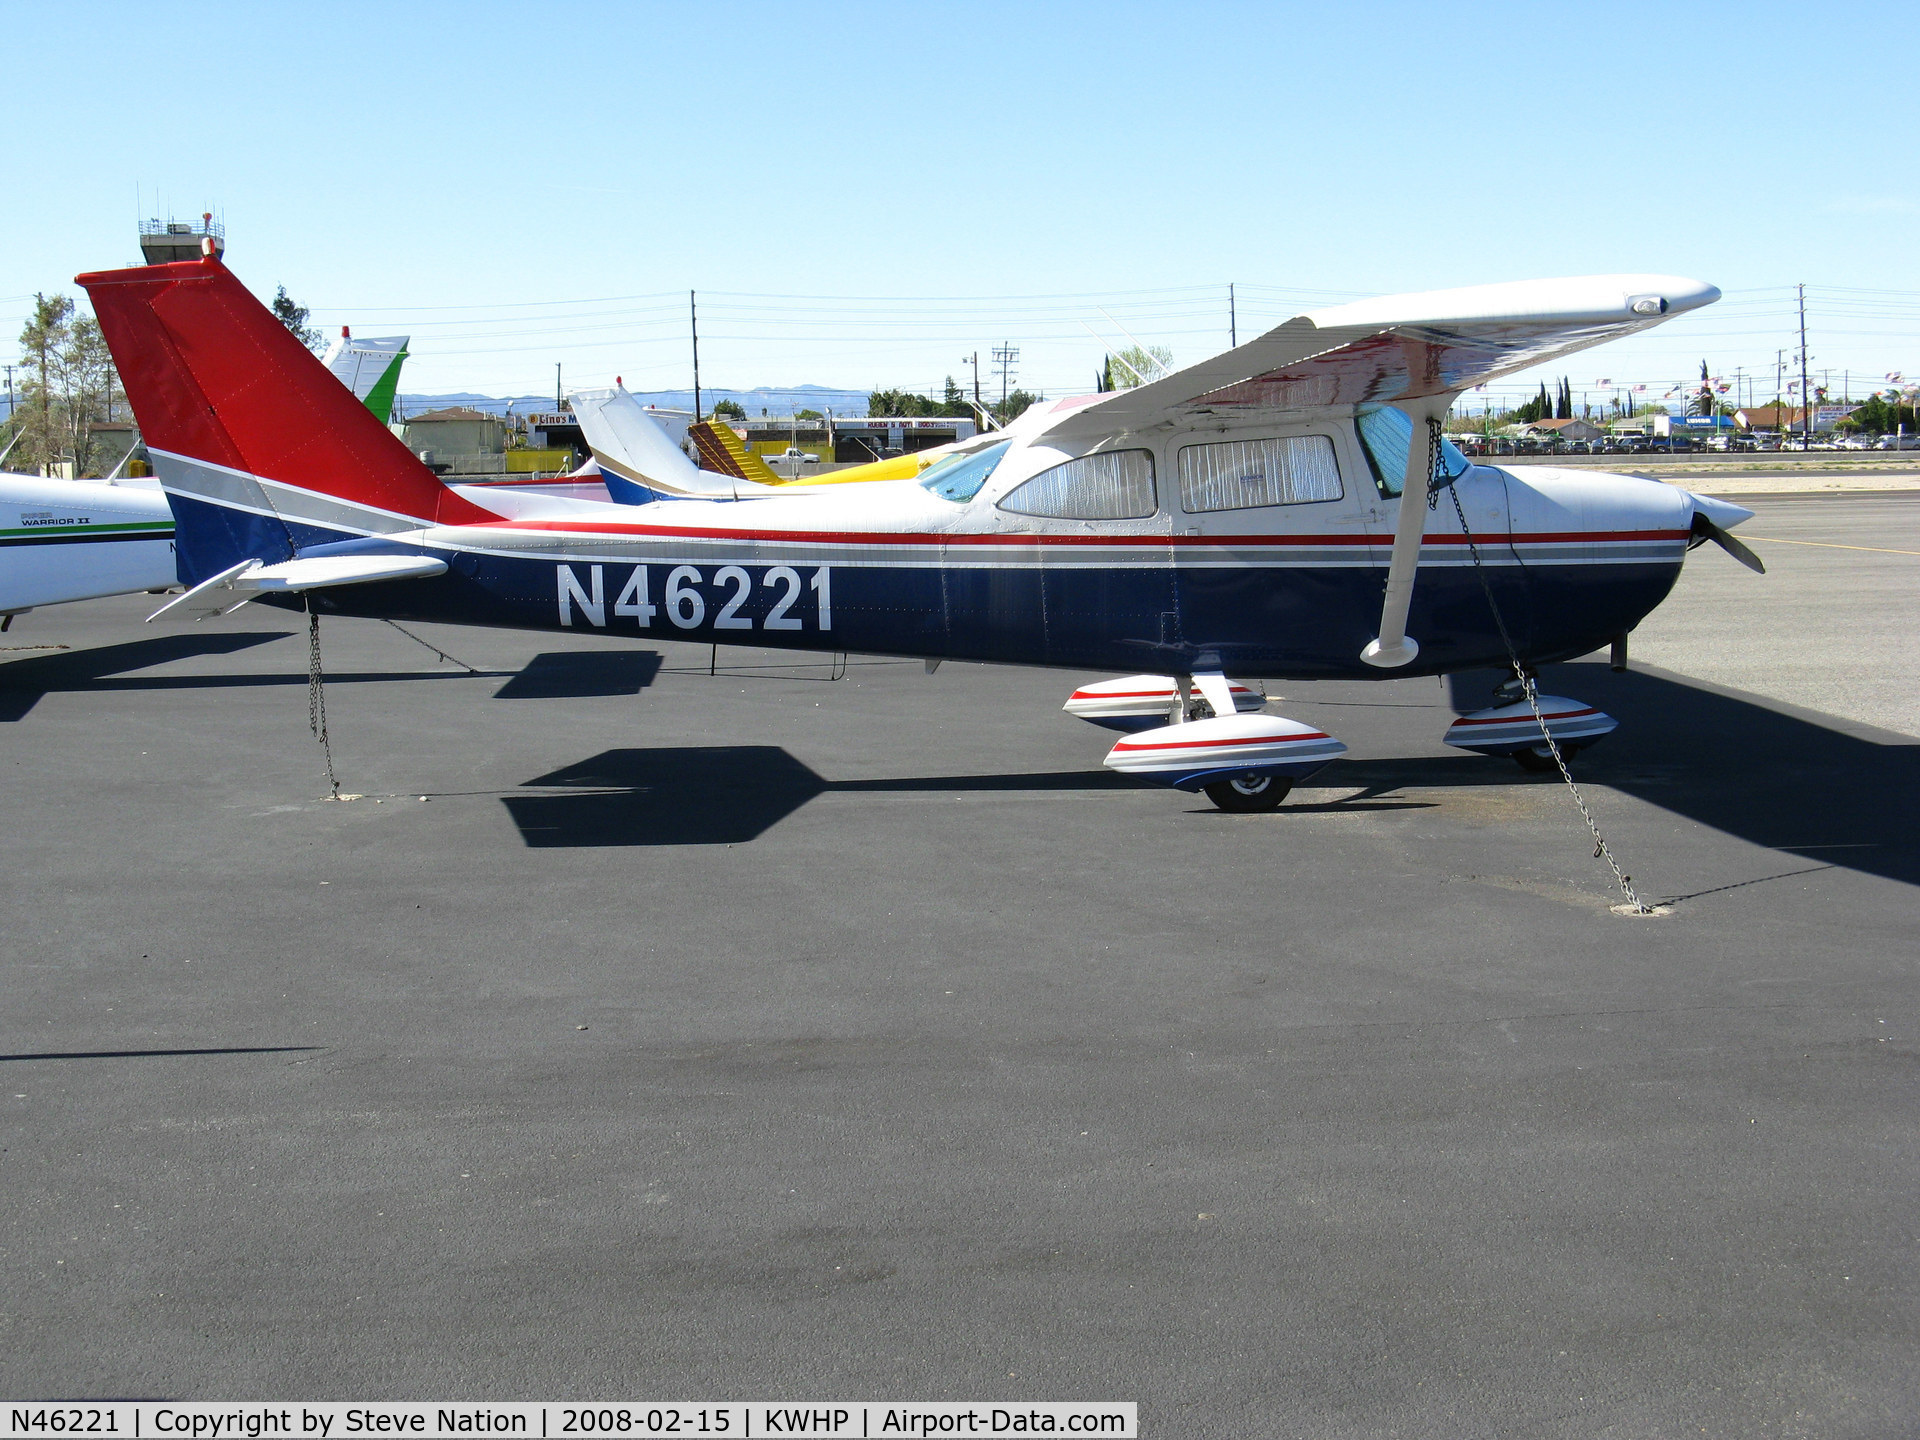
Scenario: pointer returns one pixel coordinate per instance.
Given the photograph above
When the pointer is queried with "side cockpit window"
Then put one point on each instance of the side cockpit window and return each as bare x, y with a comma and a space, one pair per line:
1116, 485
1384, 432
1244, 474
959, 477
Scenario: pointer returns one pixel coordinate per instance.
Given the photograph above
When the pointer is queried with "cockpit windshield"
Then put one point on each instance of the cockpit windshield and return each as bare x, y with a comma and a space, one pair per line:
959, 477
1384, 432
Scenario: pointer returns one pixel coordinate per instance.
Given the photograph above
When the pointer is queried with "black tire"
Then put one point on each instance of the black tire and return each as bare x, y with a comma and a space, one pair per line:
1250, 794
1538, 760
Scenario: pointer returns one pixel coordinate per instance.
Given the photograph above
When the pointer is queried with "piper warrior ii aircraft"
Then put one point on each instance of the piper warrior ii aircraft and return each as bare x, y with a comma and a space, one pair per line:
64, 540
1244, 516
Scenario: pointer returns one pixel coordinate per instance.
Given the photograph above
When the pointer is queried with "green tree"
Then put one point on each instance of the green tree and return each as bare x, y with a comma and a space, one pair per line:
1137, 366
42, 418
92, 391
1540, 407
294, 317
731, 409
70, 387
1009, 409
899, 405
808, 415
1884, 415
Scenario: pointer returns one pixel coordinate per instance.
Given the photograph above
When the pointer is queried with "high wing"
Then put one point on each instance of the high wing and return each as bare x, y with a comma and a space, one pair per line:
1393, 349
1416, 352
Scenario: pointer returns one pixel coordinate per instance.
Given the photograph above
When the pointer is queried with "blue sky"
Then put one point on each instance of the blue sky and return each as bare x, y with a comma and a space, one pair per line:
863, 194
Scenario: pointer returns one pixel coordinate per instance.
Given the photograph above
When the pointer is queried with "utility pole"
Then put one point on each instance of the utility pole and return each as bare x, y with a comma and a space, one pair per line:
559, 400
1233, 321
1005, 357
1805, 396
693, 321
974, 360
9, 370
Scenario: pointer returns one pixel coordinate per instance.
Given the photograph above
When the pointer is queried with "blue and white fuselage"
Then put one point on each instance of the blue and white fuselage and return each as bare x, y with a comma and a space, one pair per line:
1293, 590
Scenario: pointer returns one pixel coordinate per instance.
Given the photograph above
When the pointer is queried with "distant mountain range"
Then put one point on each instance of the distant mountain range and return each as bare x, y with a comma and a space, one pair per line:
775, 402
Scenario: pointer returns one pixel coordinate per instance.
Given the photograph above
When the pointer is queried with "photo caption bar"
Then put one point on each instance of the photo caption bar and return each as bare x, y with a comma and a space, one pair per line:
558, 1420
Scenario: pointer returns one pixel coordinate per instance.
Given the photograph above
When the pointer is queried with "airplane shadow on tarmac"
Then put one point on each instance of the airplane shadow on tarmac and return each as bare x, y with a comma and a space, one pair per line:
554, 676
1772, 777
24, 681
577, 674
719, 795
1776, 779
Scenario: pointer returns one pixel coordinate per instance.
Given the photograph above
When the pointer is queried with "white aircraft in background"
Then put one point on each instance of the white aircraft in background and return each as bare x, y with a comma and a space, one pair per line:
64, 540
641, 457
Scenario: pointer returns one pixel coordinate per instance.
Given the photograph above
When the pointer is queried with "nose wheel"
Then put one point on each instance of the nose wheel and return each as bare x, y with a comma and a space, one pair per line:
1250, 794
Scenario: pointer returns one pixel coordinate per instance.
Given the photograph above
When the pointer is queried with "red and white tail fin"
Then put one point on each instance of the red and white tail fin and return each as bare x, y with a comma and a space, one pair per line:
262, 452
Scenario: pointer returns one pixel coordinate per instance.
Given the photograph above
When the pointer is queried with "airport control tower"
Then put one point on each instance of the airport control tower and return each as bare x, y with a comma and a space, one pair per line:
180, 240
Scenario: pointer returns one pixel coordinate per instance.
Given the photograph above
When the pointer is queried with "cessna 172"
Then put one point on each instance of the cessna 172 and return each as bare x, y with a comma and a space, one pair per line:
1242, 515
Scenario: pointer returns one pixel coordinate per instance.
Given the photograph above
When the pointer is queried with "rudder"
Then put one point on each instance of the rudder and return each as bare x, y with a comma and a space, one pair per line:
261, 450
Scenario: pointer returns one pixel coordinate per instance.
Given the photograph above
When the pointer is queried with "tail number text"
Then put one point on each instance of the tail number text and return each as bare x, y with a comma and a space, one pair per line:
779, 600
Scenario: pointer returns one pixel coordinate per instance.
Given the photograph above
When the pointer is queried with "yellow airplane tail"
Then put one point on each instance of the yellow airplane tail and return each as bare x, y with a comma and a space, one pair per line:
724, 453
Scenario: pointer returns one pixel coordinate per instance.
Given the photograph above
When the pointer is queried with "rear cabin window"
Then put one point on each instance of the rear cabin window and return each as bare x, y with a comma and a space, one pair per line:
1384, 432
1246, 474
1116, 485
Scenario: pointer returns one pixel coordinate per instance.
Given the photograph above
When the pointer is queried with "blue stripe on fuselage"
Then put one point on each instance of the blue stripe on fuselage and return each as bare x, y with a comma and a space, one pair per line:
1292, 621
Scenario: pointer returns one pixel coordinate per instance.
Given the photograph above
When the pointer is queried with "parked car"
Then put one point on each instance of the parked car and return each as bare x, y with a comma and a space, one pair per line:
791, 456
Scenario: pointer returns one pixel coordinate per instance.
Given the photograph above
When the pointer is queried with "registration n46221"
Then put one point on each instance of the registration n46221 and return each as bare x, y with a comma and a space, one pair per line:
692, 597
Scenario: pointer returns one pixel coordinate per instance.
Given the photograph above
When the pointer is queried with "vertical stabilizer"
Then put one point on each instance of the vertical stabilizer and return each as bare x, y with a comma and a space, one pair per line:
370, 369
632, 446
260, 449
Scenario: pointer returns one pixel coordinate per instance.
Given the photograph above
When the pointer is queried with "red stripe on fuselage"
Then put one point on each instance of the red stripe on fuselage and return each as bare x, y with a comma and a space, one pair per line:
856, 537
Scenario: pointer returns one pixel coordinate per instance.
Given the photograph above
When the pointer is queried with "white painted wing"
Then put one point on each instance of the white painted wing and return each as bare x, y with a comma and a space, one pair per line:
1397, 347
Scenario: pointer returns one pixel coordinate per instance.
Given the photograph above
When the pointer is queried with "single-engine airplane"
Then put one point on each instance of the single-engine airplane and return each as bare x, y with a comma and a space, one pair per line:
1244, 515
63, 540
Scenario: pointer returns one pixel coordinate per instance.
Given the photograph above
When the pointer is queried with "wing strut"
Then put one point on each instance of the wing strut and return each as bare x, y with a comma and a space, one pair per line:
1394, 647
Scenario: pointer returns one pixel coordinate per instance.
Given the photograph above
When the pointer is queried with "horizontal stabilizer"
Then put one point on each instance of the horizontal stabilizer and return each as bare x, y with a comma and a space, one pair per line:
232, 588
323, 570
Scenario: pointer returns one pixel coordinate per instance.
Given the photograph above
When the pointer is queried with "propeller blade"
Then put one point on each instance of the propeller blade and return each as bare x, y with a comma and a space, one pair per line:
1724, 539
